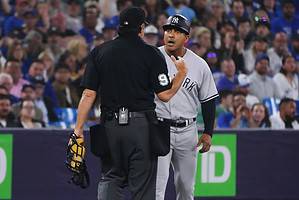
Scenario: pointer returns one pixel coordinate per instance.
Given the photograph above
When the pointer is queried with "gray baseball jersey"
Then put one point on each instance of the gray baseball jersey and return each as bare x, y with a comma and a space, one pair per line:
198, 87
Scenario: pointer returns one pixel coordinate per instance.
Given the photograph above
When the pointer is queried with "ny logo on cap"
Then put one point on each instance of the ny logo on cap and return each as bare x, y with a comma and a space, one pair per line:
175, 20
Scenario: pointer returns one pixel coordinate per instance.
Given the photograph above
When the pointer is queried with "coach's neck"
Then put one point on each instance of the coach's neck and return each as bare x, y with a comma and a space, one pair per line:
177, 52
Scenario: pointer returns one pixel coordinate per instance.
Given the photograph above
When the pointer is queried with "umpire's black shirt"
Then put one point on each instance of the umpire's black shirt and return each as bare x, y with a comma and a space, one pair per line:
126, 72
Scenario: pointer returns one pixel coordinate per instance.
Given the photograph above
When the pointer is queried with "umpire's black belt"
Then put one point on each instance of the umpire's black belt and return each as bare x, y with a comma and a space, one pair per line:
114, 115
179, 123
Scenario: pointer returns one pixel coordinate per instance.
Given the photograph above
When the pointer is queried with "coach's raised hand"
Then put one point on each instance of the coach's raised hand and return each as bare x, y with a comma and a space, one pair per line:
180, 65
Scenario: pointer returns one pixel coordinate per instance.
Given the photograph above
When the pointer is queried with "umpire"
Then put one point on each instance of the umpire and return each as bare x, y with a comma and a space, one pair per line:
127, 72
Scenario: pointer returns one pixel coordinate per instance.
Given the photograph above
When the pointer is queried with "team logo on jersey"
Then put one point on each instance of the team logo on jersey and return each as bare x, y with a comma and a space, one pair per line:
175, 20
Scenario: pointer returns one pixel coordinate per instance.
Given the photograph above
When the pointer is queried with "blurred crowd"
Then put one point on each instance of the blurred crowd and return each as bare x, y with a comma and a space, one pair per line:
251, 46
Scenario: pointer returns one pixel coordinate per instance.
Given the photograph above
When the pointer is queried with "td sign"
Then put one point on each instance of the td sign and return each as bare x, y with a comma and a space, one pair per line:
216, 170
5, 166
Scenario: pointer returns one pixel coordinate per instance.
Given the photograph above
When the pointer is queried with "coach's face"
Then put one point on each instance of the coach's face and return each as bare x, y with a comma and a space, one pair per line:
174, 39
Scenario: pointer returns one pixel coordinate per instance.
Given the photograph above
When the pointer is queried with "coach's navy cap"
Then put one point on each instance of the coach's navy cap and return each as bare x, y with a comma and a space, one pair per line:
131, 18
179, 22
260, 57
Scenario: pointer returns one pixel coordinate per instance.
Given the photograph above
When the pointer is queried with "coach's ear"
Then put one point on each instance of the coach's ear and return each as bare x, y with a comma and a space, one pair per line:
187, 38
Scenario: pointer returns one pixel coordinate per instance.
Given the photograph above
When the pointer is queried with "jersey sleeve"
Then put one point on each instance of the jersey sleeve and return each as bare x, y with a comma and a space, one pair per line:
91, 75
207, 90
159, 73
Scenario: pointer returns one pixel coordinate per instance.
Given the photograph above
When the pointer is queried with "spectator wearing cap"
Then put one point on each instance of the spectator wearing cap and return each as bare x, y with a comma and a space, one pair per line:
262, 28
179, 7
28, 93
30, 17
285, 118
65, 92
294, 48
7, 118
16, 21
259, 45
54, 42
262, 86
110, 28
90, 20
13, 68
288, 22
44, 103
287, 79
73, 18
277, 52
151, 35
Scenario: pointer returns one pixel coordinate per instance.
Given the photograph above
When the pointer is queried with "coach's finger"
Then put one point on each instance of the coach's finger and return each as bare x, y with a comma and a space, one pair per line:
205, 147
173, 58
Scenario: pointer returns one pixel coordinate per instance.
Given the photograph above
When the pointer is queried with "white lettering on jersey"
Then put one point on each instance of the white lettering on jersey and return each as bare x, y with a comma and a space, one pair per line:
175, 20
163, 80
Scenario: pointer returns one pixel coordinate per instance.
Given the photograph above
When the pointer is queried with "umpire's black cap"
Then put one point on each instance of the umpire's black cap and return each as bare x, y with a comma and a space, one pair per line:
131, 18
179, 22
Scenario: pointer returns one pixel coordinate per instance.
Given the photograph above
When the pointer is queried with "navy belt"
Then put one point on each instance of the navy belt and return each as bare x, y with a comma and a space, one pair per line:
179, 123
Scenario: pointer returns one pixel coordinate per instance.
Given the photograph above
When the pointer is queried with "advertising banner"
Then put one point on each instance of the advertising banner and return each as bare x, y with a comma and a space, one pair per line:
5, 166
216, 170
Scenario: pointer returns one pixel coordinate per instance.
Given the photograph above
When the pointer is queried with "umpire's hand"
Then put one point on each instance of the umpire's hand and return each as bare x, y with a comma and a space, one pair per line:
206, 142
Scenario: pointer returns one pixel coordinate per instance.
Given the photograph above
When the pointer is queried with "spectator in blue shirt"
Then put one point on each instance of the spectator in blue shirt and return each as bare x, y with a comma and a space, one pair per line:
271, 8
240, 116
16, 21
90, 20
179, 8
229, 80
287, 23
295, 46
